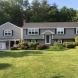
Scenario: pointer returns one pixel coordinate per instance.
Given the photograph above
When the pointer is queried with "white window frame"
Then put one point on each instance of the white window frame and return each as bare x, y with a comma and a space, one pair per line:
31, 29
33, 40
60, 41
60, 30
7, 32
76, 30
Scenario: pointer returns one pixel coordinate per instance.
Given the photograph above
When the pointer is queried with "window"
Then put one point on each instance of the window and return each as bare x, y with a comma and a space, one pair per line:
76, 30
60, 41
33, 40
33, 31
60, 30
7, 32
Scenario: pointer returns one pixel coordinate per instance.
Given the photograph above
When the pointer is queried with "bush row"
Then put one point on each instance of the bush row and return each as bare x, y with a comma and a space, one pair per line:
30, 46
70, 44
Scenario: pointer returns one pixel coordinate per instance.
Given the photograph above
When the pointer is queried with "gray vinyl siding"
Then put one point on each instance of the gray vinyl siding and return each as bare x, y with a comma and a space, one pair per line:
16, 31
68, 40
40, 36
69, 34
40, 41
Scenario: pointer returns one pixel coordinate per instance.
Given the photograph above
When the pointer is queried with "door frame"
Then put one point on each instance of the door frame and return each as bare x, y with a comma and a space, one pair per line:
49, 39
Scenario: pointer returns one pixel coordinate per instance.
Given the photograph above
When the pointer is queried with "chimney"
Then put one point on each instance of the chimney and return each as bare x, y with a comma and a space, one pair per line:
24, 22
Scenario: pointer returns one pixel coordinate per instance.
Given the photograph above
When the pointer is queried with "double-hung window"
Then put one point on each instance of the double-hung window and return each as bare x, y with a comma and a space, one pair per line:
60, 30
33, 31
7, 32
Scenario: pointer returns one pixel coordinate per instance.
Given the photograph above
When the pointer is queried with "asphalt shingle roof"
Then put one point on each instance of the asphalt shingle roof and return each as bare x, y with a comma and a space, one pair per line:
51, 25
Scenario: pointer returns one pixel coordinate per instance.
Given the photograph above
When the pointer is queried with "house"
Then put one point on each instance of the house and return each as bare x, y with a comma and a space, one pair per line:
48, 33
10, 35
43, 33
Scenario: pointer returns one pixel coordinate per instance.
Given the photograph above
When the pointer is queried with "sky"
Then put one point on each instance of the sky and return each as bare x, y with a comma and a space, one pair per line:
60, 3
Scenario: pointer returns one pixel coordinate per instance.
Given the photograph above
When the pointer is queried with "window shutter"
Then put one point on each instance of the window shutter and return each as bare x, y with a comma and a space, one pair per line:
39, 31
74, 30
3, 32
12, 32
26, 31
64, 31
55, 30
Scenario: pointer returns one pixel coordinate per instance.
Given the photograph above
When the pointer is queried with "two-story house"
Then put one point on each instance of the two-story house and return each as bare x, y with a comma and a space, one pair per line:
47, 33
10, 34
43, 33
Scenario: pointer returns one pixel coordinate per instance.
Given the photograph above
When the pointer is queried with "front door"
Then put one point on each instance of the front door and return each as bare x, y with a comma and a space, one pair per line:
47, 39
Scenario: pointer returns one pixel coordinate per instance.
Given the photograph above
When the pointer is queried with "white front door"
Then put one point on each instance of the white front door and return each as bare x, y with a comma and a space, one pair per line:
2, 45
47, 39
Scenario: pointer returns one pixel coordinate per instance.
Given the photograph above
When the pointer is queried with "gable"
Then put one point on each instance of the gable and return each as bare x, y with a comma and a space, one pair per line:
8, 25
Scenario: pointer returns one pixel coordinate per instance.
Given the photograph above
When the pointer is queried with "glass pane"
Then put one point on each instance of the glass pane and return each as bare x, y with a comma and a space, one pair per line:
47, 38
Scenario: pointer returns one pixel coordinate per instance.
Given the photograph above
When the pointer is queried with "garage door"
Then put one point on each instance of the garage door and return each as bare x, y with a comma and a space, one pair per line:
2, 45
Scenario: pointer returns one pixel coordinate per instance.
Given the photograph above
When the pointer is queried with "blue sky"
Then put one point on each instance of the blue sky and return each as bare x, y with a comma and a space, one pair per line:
68, 3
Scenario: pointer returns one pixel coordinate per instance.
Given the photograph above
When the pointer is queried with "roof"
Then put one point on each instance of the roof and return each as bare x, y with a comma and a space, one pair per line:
10, 24
51, 25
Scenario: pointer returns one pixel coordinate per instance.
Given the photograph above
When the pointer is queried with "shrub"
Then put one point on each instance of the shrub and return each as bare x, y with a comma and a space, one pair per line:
76, 47
69, 44
56, 43
32, 45
41, 47
23, 45
56, 48
76, 39
13, 48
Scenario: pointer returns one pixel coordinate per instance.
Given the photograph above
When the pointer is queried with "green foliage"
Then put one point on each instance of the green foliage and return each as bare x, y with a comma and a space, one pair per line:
41, 47
56, 48
76, 39
69, 44
56, 43
23, 45
32, 45
15, 11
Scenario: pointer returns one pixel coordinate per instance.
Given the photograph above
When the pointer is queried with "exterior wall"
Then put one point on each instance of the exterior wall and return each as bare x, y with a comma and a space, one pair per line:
25, 36
16, 31
40, 41
68, 40
69, 34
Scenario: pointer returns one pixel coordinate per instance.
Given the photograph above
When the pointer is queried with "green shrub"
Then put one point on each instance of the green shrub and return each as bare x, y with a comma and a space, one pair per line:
23, 45
32, 45
69, 44
56, 43
41, 47
56, 48
13, 48
76, 39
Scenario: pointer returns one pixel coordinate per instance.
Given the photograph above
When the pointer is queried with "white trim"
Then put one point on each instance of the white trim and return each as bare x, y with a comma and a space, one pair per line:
34, 31
60, 40
52, 36
9, 23
22, 35
49, 39
51, 27
7, 32
48, 31
60, 30
76, 30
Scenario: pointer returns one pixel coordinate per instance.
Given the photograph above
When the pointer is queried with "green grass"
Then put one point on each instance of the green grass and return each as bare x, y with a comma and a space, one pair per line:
39, 64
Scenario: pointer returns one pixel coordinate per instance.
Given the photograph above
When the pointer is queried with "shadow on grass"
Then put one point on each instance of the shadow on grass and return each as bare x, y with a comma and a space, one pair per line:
58, 77
4, 65
20, 54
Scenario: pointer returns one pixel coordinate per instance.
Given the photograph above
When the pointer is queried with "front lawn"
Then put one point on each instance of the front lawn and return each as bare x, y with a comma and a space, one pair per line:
39, 64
